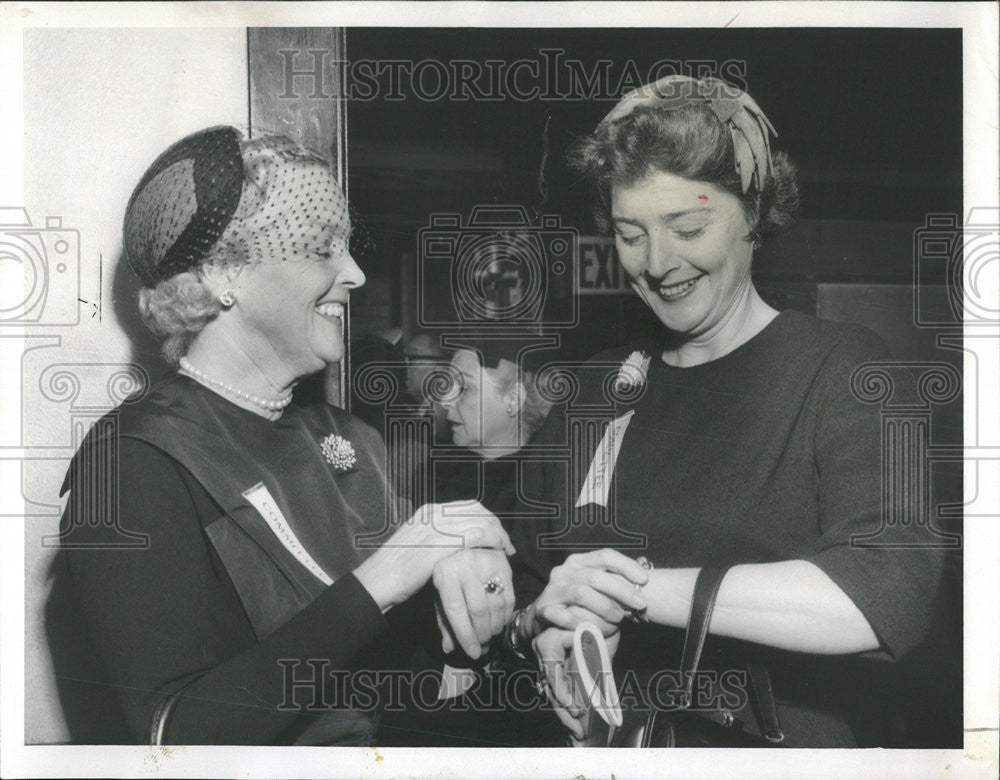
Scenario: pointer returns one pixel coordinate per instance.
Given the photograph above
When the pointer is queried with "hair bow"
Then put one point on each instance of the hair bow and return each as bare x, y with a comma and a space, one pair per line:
747, 124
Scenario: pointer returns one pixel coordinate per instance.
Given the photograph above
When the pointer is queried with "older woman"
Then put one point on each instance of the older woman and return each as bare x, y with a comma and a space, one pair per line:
494, 407
276, 552
742, 448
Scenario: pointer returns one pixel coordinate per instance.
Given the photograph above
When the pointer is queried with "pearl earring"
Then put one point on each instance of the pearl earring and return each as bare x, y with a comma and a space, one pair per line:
227, 299
511, 411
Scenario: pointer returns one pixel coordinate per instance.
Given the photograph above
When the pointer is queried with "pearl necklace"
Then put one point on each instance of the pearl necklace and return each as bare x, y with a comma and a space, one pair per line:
270, 404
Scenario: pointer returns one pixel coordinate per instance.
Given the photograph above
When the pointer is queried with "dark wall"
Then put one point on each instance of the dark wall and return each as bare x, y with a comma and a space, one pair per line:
871, 117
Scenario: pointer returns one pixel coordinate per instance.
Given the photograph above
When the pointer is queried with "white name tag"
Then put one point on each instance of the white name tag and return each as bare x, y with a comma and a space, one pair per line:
264, 503
597, 485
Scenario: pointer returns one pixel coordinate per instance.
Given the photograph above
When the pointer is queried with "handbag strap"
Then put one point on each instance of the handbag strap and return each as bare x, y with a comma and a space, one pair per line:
762, 694
706, 588
161, 715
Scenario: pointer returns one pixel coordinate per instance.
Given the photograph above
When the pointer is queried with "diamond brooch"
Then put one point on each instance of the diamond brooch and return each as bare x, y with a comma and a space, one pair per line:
338, 452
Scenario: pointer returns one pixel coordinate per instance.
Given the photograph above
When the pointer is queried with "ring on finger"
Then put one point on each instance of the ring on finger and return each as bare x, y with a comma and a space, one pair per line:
494, 585
639, 615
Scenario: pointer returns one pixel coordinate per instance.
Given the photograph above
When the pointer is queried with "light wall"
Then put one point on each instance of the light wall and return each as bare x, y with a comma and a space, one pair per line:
99, 105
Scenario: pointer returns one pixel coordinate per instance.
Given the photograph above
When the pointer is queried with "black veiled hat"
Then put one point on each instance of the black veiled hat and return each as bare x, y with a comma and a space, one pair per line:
183, 203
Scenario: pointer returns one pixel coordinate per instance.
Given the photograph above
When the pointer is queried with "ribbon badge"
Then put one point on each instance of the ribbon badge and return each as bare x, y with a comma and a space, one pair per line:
632, 374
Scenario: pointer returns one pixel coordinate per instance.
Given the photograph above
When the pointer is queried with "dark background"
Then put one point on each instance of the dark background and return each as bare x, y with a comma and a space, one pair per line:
872, 118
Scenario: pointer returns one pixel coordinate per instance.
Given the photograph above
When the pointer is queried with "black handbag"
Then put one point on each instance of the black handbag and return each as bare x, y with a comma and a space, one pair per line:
685, 726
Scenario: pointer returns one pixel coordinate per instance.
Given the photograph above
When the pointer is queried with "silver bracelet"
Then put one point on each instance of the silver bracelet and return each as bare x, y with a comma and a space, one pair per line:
514, 635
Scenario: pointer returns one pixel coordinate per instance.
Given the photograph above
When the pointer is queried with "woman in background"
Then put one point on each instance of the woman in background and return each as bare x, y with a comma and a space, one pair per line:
494, 408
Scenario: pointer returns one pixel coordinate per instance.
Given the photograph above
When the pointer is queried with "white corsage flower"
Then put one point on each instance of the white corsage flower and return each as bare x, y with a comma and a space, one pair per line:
632, 374
338, 451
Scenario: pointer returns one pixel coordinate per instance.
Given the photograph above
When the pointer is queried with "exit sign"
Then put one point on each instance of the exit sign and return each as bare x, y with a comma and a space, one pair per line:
599, 270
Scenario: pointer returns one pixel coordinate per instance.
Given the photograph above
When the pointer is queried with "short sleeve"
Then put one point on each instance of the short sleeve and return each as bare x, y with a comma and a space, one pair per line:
891, 577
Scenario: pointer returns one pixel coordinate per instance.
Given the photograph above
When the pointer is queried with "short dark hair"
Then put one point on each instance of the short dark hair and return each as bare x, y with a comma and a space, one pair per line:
691, 143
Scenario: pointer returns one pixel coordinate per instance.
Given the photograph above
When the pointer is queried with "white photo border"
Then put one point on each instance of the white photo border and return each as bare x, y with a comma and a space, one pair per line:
978, 758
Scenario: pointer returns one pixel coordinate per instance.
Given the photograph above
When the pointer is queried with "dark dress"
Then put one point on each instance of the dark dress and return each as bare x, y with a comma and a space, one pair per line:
762, 455
215, 606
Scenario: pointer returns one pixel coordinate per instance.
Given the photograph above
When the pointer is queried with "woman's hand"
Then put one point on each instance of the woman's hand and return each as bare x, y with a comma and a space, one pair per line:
552, 647
597, 586
404, 563
467, 614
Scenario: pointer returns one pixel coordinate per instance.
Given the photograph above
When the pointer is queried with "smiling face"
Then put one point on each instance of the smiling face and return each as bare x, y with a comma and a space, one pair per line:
685, 246
478, 412
291, 305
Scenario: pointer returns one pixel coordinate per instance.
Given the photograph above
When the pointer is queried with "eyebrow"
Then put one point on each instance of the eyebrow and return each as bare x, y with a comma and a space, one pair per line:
668, 217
